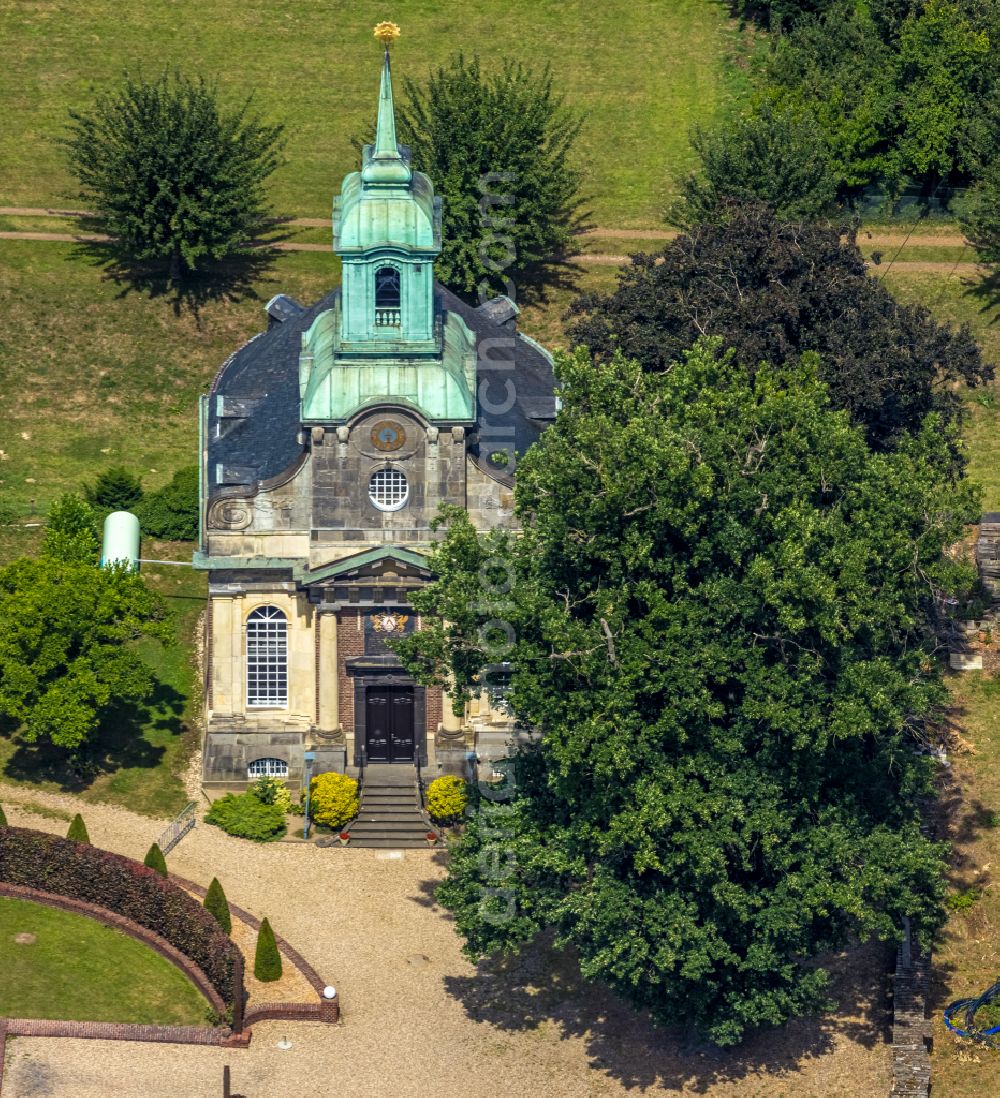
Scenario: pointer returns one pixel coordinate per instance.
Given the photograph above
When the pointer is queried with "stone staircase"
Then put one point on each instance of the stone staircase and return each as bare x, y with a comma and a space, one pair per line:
390, 814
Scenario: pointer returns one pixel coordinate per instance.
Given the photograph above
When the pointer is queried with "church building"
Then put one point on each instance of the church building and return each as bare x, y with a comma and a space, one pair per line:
328, 443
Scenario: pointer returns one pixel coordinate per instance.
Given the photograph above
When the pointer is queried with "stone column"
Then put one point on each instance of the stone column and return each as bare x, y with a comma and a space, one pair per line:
328, 674
449, 722
224, 690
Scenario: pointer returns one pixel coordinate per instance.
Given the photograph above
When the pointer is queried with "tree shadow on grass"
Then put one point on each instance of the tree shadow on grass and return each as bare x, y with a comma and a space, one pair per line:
542, 989
119, 743
561, 274
987, 290
960, 821
235, 279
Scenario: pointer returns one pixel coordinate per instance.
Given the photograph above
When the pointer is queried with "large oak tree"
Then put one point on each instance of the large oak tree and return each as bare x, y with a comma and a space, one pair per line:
716, 616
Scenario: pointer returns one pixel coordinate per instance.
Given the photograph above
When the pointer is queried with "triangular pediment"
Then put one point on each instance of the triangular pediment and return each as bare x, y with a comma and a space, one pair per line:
385, 565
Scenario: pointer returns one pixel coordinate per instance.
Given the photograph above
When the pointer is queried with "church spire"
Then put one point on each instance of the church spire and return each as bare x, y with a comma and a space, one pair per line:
386, 163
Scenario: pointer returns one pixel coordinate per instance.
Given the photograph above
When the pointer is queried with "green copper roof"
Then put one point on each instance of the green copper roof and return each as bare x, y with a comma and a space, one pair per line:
386, 164
335, 384
387, 203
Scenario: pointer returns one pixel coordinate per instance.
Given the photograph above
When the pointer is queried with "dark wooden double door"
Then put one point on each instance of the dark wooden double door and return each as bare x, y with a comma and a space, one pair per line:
389, 723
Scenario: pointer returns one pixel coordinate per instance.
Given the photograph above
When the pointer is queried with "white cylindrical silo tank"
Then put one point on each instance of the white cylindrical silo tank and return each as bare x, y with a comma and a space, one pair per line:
121, 540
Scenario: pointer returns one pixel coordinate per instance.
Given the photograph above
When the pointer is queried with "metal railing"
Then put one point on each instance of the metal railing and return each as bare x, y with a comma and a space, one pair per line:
181, 825
388, 318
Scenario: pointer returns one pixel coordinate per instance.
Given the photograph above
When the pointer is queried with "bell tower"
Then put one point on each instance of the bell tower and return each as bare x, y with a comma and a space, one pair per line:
387, 232
387, 337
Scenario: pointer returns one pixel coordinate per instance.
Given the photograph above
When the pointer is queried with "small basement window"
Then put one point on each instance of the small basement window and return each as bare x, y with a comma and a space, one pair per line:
268, 768
388, 489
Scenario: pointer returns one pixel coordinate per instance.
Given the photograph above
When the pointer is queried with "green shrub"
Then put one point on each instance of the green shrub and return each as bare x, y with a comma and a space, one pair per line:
3, 818
115, 489
172, 511
269, 790
447, 797
155, 860
32, 858
78, 830
963, 901
217, 905
267, 959
243, 815
333, 799
71, 531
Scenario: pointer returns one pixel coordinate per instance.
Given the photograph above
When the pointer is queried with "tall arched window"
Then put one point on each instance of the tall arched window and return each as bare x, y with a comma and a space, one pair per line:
387, 298
267, 658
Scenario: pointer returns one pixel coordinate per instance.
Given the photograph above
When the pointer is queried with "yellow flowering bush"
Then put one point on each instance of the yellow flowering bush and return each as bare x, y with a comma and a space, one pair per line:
274, 791
447, 797
333, 799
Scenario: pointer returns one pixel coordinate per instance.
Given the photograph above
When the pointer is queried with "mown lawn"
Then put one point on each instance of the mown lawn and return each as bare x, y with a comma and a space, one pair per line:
95, 373
643, 79
80, 969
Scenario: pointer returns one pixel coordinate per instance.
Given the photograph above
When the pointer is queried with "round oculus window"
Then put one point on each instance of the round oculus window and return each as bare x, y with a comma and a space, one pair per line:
388, 489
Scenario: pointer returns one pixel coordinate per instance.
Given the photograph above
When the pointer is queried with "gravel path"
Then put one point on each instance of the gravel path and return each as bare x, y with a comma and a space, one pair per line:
418, 1019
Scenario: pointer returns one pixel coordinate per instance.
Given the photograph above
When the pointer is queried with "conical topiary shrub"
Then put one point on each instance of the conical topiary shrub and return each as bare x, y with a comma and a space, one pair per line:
3, 818
216, 904
78, 830
267, 960
155, 860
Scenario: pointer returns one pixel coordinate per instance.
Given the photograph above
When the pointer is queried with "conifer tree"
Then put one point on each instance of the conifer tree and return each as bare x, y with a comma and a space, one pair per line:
155, 860
216, 904
498, 146
78, 830
267, 959
116, 489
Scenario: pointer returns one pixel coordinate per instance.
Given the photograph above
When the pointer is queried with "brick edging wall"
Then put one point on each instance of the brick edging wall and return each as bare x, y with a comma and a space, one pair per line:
127, 1031
289, 951
326, 1010
133, 929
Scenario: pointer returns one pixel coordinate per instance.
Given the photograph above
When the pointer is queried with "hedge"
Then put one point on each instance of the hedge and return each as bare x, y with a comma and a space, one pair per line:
34, 859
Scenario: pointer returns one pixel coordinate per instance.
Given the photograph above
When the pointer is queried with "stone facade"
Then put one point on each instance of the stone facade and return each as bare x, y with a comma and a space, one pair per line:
328, 444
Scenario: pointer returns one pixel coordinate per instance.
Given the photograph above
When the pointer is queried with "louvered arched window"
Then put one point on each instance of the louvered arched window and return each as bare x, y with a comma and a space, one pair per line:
267, 658
388, 297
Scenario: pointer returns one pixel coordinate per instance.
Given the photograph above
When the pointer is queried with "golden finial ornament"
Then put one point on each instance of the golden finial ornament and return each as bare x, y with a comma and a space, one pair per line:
386, 33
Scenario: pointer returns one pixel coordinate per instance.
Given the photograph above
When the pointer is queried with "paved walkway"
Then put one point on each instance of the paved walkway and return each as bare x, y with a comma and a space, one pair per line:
418, 1019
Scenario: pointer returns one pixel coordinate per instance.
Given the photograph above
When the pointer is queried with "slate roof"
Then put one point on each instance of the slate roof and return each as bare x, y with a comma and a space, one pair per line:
254, 430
